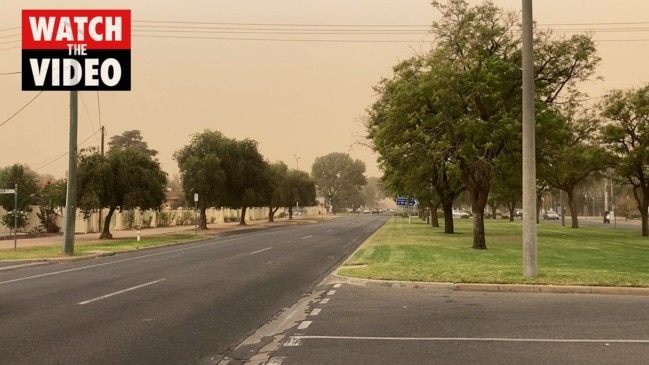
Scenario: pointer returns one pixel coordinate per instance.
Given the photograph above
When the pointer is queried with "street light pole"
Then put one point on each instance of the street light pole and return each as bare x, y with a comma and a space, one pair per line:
297, 161
529, 148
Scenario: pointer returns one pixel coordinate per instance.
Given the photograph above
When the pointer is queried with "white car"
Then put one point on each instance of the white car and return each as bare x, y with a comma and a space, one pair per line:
460, 214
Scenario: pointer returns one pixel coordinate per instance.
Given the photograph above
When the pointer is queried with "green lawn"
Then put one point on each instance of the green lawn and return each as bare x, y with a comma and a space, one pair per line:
566, 256
114, 245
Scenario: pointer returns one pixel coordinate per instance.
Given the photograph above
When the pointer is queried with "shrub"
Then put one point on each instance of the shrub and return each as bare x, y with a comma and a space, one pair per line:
21, 220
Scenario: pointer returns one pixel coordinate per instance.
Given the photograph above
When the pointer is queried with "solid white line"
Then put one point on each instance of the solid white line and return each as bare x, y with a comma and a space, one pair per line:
315, 312
331, 292
305, 237
469, 339
265, 249
324, 301
120, 292
337, 285
304, 325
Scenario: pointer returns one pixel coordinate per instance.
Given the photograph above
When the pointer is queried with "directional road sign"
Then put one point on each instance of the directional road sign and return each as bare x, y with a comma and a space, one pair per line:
7, 191
407, 201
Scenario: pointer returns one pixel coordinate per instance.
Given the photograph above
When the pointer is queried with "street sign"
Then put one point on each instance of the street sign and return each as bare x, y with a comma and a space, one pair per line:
7, 191
407, 201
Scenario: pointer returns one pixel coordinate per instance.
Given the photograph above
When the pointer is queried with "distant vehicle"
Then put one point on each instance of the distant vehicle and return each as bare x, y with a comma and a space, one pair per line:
551, 215
376, 211
518, 213
607, 217
460, 214
366, 211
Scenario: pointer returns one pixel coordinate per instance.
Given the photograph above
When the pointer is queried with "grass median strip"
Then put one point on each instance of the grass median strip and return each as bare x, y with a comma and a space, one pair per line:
113, 245
599, 256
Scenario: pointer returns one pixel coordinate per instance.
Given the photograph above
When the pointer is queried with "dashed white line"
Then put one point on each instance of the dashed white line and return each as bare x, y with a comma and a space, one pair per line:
305, 237
331, 292
337, 285
265, 249
120, 292
329, 230
292, 342
315, 312
324, 301
304, 325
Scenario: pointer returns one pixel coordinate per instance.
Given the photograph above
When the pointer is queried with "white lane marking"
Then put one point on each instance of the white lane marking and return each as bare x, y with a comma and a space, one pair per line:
136, 258
352, 241
337, 285
265, 249
305, 237
324, 301
275, 361
329, 230
315, 312
467, 339
292, 342
120, 292
331, 292
304, 325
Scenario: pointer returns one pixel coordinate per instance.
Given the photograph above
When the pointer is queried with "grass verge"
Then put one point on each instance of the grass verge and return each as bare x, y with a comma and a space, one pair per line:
599, 256
114, 245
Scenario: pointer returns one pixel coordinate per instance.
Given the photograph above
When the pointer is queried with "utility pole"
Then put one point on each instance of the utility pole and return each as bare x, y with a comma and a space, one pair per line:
103, 132
529, 146
15, 216
71, 195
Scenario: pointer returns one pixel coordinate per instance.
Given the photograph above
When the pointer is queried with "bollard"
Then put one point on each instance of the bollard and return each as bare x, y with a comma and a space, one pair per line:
138, 235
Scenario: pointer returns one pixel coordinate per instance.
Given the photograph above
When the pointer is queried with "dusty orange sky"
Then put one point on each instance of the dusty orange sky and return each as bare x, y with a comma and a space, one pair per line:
299, 99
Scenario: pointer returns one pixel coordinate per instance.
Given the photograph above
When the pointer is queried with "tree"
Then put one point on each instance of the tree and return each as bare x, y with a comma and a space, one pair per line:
132, 140
125, 178
337, 175
51, 197
627, 137
471, 108
27, 183
574, 155
298, 189
277, 173
224, 172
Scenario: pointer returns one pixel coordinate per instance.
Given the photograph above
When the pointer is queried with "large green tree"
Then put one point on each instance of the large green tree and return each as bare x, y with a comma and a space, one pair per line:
627, 137
51, 197
133, 140
224, 172
471, 107
337, 176
125, 178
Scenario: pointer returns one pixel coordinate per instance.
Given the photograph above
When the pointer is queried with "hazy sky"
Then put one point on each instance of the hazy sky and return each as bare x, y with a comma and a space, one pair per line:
300, 99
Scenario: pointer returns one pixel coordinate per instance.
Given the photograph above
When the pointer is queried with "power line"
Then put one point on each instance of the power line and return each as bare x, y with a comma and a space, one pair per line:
6, 29
279, 24
83, 102
282, 39
21, 109
10, 73
53, 159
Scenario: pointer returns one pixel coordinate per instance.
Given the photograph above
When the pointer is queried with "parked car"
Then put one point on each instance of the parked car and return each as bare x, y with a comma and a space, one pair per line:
460, 214
518, 213
376, 211
551, 215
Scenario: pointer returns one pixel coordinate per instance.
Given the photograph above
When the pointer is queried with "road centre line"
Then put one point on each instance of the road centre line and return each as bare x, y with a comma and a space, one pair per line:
324, 301
305, 237
262, 250
331, 292
297, 339
134, 258
315, 312
120, 292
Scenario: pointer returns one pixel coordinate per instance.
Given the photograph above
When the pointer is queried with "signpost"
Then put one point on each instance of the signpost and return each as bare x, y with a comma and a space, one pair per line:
195, 210
14, 191
407, 201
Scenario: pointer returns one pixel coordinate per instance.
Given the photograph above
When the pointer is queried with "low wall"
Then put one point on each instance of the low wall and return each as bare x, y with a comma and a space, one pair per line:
132, 219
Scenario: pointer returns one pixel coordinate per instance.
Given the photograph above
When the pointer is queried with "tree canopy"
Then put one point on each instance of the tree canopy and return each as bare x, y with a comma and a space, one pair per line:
338, 176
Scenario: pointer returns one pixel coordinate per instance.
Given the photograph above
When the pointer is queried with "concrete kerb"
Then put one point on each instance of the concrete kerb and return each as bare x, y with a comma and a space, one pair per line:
503, 288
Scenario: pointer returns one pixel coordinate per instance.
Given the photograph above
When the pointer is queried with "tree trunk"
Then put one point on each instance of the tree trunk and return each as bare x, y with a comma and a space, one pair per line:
271, 214
478, 195
538, 207
449, 226
105, 233
641, 195
573, 208
202, 219
494, 210
242, 221
290, 212
434, 218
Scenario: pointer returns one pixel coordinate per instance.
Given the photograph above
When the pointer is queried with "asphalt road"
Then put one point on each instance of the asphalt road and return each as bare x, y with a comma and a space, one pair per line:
176, 305
359, 325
